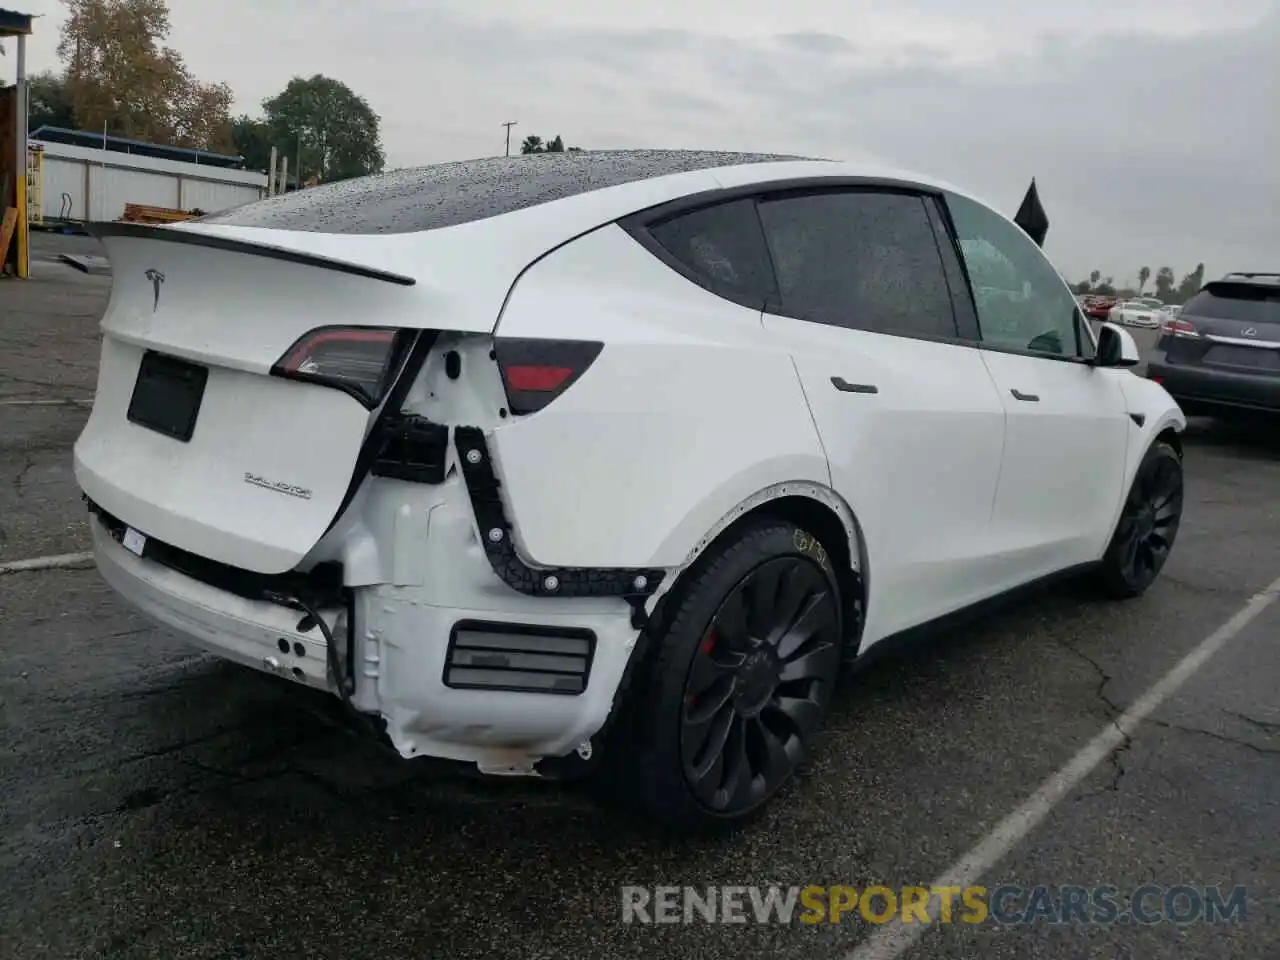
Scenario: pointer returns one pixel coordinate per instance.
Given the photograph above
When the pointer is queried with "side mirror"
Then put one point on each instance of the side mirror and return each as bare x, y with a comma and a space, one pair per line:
1115, 347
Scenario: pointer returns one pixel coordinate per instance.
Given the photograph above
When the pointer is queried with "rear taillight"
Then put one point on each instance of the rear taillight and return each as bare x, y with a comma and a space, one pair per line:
1180, 328
361, 361
535, 372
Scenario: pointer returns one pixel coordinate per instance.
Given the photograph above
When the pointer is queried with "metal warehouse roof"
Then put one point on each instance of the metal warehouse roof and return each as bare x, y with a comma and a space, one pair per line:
13, 23
86, 138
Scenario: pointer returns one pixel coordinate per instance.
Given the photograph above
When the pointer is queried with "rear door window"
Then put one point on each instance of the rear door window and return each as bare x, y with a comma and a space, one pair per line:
722, 249
859, 259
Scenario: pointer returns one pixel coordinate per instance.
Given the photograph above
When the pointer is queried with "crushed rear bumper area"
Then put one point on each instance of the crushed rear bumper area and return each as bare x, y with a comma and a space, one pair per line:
257, 633
495, 678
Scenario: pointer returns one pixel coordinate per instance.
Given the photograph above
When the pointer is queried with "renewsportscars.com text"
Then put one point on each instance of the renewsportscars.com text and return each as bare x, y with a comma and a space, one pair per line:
1006, 904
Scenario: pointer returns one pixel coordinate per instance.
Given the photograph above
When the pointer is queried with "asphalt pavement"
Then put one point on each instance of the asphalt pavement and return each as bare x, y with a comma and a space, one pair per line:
155, 802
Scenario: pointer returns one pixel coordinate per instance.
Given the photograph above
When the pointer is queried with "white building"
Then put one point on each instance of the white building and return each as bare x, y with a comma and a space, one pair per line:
78, 182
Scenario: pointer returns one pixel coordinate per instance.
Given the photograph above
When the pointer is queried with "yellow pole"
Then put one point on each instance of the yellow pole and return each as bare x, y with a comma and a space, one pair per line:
22, 254
21, 251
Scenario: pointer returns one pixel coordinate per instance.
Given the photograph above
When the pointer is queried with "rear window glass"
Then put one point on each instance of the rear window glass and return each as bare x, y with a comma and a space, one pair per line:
445, 195
1235, 301
859, 259
721, 248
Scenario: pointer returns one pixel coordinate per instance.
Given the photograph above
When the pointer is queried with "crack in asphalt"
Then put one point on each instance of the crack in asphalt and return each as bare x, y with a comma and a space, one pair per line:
1207, 589
152, 796
20, 477
1114, 711
1116, 757
1222, 737
1263, 725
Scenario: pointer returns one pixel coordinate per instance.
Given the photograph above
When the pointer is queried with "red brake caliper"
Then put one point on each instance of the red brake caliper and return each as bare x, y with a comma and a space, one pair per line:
708, 644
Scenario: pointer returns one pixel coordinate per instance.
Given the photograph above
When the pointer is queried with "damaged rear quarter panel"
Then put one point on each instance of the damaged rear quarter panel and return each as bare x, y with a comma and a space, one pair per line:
687, 411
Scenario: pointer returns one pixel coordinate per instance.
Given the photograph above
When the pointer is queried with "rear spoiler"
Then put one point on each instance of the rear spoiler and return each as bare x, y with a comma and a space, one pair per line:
168, 234
1251, 289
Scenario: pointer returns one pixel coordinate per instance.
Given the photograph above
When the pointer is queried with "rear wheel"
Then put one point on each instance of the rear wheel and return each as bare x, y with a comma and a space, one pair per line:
1148, 525
733, 692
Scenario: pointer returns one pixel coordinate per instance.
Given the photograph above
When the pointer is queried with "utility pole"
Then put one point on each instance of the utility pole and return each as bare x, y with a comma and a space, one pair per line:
509, 124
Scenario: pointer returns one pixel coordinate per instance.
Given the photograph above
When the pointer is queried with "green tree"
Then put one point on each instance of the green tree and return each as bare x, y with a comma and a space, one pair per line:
1107, 287
1144, 274
1191, 283
252, 139
330, 131
535, 144
1094, 277
121, 78
49, 101
1164, 284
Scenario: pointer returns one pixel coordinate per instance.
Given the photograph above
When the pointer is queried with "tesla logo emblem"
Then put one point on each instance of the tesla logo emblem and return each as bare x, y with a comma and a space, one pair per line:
1250, 332
157, 281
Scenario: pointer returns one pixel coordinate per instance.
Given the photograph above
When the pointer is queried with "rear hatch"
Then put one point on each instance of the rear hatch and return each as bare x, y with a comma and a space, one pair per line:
1232, 325
236, 387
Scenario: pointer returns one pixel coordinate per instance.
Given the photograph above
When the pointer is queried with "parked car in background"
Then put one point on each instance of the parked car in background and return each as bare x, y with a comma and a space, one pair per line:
1221, 353
1135, 313
1098, 307
610, 458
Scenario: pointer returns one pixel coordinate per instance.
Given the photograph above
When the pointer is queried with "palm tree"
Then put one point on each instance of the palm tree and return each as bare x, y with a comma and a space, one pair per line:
1144, 274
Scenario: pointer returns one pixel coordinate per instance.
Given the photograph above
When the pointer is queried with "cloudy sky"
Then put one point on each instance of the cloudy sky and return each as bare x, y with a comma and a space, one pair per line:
1152, 126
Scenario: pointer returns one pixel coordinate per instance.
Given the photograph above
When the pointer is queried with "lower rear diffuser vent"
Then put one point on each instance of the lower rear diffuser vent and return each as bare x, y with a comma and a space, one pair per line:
518, 658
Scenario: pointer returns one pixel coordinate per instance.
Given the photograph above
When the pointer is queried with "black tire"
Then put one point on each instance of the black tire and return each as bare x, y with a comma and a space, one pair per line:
1148, 525
746, 655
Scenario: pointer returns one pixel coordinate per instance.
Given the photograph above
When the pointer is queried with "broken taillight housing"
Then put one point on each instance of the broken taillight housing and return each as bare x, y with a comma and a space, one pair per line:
1180, 328
535, 372
361, 361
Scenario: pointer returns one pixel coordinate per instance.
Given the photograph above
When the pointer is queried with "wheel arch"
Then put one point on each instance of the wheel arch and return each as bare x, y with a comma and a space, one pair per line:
818, 510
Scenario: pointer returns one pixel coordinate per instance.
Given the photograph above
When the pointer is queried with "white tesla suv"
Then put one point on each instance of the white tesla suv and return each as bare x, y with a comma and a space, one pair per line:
554, 462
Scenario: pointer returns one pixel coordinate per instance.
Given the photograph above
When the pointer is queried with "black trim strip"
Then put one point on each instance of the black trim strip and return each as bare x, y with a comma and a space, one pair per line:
962, 307
1024, 352
1028, 397
142, 231
483, 487
769, 189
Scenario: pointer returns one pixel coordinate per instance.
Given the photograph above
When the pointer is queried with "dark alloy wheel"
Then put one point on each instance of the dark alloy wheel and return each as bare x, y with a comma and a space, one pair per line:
758, 684
741, 667
1148, 524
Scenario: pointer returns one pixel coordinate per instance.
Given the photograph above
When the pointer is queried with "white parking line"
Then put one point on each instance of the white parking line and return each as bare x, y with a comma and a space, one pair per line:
895, 938
60, 561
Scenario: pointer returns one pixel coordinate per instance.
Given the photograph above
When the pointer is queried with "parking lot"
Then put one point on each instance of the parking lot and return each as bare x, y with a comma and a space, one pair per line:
155, 802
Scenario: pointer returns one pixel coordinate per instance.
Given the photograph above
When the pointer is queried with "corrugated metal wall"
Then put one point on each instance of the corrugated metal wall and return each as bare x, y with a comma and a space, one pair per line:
98, 183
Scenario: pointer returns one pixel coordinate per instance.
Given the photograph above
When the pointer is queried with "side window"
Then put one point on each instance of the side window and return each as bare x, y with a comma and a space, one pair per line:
859, 259
1023, 304
722, 249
